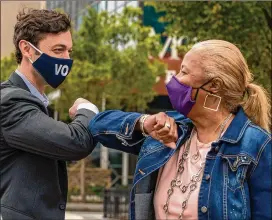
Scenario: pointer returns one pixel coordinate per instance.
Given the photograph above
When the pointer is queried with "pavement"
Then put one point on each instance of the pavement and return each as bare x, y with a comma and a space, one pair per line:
85, 207
72, 215
84, 211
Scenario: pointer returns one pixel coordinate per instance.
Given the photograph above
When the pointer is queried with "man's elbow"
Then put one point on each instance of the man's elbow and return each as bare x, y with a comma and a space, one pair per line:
80, 148
86, 148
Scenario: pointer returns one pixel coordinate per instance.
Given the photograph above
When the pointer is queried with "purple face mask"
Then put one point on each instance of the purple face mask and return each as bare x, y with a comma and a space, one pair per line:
180, 95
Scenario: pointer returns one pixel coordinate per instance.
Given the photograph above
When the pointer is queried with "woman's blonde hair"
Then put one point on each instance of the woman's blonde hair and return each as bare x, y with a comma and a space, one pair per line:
224, 60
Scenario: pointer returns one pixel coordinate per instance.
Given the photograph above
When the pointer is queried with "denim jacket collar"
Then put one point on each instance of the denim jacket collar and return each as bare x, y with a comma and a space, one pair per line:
234, 132
236, 128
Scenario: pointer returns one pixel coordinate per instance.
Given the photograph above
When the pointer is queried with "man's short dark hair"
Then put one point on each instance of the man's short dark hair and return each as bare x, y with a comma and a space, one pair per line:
33, 24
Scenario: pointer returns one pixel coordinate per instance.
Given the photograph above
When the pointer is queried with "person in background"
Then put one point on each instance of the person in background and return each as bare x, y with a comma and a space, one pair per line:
34, 147
212, 158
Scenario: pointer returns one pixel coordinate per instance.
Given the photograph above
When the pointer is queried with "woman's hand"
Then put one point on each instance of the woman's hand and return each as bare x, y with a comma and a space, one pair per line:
163, 128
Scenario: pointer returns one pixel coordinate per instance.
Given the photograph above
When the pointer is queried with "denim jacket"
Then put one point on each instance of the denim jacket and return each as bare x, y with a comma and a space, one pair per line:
236, 183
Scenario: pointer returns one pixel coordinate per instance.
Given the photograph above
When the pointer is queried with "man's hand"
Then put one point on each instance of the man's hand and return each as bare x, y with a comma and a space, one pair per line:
163, 128
73, 109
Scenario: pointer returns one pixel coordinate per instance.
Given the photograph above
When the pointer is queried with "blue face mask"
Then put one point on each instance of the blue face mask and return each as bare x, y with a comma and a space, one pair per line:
53, 70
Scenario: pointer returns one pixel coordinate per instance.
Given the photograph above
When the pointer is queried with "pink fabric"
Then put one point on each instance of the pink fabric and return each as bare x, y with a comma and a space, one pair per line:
168, 173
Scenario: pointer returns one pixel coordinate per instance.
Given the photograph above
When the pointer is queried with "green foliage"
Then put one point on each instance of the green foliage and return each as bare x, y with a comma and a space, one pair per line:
246, 24
111, 60
8, 65
95, 190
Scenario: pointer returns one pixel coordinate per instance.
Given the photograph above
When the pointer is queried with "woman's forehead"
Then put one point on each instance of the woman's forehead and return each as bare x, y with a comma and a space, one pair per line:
191, 64
191, 60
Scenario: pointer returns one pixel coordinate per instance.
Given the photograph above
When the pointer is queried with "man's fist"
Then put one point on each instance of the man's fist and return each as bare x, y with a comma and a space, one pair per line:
73, 109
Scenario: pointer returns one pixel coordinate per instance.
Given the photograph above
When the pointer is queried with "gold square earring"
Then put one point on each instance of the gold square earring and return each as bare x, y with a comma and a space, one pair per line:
216, 109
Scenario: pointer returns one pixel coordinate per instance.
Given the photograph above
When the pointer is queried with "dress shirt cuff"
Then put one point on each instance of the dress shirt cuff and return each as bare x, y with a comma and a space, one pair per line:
88, 106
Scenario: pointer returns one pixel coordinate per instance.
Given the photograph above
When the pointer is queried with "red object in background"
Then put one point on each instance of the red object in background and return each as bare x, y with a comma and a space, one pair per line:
173, 66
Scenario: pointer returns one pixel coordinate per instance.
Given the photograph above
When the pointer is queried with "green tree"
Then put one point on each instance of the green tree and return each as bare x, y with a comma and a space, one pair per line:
8, 65
246, 24
111, 54
111, 59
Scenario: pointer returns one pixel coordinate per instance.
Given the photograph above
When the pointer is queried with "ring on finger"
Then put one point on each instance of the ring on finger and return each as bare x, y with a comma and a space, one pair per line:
167, 125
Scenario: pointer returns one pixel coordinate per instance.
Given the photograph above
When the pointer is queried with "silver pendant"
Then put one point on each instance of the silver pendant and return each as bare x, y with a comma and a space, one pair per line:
195, 158
178, 183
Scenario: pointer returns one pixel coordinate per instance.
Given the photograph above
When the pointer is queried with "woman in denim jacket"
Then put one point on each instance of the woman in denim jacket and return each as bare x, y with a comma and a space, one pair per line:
209, 160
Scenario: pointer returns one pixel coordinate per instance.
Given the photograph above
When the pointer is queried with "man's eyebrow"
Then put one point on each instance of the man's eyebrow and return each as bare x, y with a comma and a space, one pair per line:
61, 45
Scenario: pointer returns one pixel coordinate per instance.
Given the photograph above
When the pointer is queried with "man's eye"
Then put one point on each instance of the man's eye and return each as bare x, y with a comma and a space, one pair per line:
58, 50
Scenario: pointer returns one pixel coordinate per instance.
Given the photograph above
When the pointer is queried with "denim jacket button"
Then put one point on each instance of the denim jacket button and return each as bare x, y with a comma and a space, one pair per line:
216, 149
207, 177
204, 209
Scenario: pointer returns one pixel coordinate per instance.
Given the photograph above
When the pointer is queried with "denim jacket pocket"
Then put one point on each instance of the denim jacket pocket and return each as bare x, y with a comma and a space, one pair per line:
237, 170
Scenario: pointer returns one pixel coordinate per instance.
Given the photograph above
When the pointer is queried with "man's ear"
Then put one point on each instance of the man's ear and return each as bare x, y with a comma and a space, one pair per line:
25, 49
215, 85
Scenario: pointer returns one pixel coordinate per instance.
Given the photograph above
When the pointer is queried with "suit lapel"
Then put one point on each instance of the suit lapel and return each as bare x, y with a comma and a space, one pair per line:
16, 80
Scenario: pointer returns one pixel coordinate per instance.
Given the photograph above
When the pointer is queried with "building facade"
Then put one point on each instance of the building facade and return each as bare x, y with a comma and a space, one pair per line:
9, 10
76, 9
